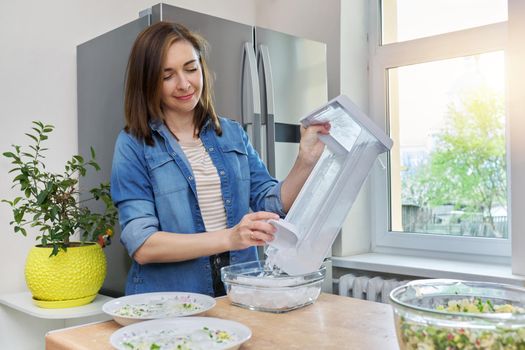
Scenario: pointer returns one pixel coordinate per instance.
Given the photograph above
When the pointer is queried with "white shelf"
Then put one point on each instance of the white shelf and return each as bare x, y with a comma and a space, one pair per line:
429, 268
23, 302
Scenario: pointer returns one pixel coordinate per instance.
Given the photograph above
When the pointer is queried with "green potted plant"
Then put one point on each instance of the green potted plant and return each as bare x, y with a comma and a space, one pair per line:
60, 271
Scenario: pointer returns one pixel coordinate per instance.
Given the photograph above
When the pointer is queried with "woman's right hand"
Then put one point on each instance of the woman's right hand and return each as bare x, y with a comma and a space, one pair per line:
253, 230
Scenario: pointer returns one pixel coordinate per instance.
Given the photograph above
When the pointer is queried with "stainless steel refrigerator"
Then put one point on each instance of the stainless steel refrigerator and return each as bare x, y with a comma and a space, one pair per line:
264, 79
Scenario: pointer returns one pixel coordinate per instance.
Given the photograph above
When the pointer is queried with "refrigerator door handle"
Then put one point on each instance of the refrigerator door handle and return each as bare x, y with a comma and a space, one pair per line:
250, 101
268, 101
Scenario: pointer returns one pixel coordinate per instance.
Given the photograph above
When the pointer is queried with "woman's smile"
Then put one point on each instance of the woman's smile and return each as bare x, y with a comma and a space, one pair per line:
185, 97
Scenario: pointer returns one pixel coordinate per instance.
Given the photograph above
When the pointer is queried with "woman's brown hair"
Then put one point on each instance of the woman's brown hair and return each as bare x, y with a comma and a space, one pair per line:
142, 101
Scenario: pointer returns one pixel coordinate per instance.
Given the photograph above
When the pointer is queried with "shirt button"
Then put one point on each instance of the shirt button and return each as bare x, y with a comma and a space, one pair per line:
222, 172
190, 178
210, 149
228, 201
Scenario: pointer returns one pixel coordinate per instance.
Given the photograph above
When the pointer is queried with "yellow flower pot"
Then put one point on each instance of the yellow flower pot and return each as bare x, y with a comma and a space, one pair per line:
71, 278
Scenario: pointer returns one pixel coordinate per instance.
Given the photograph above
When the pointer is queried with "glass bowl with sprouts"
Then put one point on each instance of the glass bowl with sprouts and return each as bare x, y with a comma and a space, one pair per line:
453, 314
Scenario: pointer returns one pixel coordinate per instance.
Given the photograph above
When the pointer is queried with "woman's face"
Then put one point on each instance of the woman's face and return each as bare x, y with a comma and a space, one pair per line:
182, 80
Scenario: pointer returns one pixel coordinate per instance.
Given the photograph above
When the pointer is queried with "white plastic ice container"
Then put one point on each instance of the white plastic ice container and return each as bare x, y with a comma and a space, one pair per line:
306, 234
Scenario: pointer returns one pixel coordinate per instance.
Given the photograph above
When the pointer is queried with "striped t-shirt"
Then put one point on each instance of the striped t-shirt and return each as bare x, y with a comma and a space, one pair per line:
208, 185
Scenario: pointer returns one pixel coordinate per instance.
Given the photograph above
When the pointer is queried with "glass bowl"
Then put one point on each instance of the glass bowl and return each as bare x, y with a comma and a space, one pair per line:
452, 314
251, 286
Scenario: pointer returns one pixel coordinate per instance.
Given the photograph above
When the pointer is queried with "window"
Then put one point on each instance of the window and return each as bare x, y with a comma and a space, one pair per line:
449, 166
443, 100
412, 19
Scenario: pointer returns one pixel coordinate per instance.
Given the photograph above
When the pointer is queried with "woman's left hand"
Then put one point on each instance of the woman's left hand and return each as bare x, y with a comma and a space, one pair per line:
310, 147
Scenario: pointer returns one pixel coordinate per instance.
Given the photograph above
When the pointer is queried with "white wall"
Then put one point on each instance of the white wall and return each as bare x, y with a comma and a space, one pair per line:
516, 104
354, 83
311, 19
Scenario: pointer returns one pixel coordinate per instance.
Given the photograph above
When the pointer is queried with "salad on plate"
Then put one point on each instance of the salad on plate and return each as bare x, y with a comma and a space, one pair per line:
140, 307
189, 333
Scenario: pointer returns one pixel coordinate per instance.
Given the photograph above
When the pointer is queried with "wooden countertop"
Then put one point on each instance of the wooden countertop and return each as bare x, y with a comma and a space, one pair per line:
332, 322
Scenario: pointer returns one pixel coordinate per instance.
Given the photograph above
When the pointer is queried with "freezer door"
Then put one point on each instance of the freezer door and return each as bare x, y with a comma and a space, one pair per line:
101, 68
293, 78
226, 44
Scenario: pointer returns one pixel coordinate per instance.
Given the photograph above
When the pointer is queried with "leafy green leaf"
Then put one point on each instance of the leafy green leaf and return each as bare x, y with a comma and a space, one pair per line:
20, 177
94, 165
32, 136
18, 215
55, 250
9, 155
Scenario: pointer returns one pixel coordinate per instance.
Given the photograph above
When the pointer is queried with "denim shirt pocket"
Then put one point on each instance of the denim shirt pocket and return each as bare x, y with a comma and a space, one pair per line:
236, 158
165, 174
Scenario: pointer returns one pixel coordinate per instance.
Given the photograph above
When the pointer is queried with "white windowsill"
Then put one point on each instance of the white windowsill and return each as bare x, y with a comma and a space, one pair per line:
429, 268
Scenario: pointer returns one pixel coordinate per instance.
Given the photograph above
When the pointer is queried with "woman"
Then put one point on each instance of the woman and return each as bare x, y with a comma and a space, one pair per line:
184, 179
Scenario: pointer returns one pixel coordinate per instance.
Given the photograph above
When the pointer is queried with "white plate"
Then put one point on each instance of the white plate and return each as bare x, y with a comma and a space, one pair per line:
200, 333
148, 306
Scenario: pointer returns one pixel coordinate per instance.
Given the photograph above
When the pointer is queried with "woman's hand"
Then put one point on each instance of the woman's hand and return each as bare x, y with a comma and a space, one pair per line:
310, 150
253, 230
310, 147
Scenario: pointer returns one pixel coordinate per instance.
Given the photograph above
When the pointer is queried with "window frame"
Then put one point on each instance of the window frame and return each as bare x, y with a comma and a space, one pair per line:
467, 42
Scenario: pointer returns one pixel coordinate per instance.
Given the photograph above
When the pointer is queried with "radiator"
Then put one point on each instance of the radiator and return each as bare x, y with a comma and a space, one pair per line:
367, 287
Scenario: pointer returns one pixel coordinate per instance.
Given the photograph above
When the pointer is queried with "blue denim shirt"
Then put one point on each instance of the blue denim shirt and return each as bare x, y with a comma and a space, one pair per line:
154, 190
